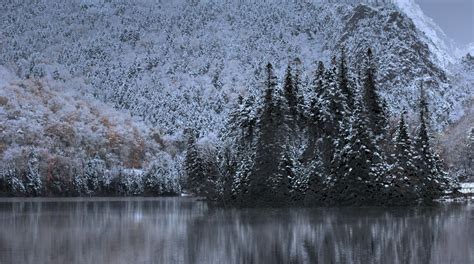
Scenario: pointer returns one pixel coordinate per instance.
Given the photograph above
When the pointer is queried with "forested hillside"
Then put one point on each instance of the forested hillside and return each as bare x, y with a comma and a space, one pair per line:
55, 141
182, 64
134, 91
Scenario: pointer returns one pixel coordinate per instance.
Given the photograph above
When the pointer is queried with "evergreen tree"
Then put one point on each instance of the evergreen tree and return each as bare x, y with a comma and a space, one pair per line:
210, 159
315, 190
242, 124
291, 97
269, 143
317, 83
469, 163
228, 171
343, 79
194, 166
93, 174
281, 182
239, 150
153, 179
80, 184
373, 103
314, 131
298, 87
159, 178
403, 182
33, 183
333, 122
429, 172
357, 164
10, 183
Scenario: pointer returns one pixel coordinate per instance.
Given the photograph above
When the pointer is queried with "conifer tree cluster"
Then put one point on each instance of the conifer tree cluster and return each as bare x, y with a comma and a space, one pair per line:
328, 147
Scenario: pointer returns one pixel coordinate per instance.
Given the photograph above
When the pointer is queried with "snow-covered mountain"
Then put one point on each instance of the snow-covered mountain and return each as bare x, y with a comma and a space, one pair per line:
183, 63
443, 49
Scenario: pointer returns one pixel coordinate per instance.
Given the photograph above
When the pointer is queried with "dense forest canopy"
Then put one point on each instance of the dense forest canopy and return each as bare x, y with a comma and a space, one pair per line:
335, 147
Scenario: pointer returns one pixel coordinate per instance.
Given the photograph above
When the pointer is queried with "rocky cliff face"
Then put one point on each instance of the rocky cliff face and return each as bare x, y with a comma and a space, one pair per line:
183, 63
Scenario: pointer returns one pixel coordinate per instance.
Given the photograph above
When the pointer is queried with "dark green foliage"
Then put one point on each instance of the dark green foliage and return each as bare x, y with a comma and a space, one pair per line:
430, 171
291, 95
468, 163
281, 182
93, 173
333, 121
315, 119
345, 159
33, 183
194, 165
270, 142
403, 181
357, 165
343, 80
374, 105
228, 170
314, 191
298, 86
9, 183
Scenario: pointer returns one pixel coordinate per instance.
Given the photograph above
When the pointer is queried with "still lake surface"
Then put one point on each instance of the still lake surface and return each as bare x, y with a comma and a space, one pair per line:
184, 230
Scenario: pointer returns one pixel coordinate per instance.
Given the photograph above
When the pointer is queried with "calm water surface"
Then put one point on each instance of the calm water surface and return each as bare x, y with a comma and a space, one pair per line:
182, 230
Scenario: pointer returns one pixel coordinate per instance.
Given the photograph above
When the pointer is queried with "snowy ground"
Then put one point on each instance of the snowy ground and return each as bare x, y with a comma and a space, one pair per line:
467, 187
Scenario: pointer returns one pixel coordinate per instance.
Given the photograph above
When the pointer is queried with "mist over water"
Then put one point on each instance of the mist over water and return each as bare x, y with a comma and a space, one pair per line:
180, 230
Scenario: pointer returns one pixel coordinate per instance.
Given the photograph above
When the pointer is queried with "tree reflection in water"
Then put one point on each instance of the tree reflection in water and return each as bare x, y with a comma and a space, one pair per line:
178, 230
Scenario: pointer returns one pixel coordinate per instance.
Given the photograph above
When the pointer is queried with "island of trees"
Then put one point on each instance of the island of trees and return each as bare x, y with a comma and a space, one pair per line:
333, 146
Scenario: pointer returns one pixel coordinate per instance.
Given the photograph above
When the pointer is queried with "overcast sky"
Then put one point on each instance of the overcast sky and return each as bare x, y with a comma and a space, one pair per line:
455, 17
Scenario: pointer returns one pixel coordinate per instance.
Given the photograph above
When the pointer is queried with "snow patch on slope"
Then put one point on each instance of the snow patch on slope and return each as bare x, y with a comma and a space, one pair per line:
443, 48
5, 76
469, 48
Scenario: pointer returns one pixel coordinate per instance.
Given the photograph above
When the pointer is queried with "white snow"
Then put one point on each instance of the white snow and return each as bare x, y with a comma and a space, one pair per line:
443, 48
467, 187
5, 76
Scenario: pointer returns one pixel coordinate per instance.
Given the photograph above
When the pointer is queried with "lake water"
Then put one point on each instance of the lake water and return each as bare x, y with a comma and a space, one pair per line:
183, 230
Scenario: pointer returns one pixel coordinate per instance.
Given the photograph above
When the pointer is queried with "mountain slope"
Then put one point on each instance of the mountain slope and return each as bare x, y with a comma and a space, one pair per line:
180, 63
57, 140
443, 49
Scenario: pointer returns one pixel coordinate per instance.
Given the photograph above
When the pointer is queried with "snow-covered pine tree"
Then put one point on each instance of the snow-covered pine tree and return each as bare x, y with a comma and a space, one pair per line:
430, 173
343, 79
469, 163
358, 164
33, 183
152, 179
281, 181
403, 183
241, 182
334, 121
298, 85
373, 103
315, 189
94, 172
270, 142
314, 130
291, 98
10, 184
159, 178
210, 159
194, 166
228, 170
243, 123
238, 150
79, 184
299, 180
